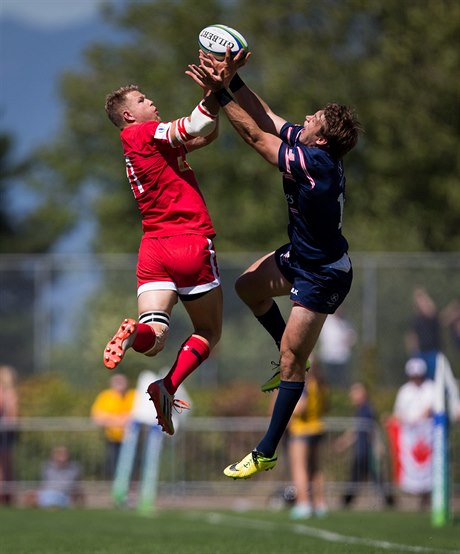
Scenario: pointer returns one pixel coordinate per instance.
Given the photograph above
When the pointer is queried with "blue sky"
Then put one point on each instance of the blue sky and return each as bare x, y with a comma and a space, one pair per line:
39, 39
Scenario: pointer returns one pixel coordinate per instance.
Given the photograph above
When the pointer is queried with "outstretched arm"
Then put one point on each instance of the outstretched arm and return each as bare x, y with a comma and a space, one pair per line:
251, 102
200, 142
200, 124
265, 143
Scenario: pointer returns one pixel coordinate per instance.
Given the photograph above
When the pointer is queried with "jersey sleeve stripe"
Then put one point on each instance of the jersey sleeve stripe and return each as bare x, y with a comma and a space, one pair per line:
287, 159
205, 112
184, 136
297, 135
303, 164
168, 135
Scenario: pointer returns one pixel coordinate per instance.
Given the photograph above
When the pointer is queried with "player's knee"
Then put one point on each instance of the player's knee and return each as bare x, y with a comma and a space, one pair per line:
159, 321
161, 334
291, 366
212, 336
241, 286
249, 295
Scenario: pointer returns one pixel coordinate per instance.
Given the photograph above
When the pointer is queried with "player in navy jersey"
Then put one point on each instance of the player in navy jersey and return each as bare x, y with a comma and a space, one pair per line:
176, 256
314, 267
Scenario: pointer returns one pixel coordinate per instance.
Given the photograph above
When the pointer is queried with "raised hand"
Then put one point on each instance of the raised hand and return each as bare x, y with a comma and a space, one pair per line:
228, 66
206, 77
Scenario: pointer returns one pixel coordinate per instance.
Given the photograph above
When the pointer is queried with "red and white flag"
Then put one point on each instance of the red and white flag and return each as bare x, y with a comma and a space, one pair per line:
411, 447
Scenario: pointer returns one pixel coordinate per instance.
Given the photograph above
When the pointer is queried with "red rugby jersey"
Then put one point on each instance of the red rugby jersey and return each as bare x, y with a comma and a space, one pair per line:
163, 183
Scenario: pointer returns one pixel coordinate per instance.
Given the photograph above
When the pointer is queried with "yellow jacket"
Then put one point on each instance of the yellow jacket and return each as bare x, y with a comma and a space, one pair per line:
112, 403
308, 420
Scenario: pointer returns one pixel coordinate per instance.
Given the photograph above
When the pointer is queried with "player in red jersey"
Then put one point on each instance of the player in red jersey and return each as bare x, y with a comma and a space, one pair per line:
176, 255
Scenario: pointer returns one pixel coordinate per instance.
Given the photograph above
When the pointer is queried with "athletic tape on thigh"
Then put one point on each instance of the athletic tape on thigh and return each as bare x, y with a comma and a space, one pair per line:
155, 317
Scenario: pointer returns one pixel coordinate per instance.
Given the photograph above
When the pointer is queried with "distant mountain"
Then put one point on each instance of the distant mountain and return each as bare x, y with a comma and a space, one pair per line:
31, 60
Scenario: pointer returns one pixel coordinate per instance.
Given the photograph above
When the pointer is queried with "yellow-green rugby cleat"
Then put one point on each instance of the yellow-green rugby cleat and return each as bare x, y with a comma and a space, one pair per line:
274, 382
249, 465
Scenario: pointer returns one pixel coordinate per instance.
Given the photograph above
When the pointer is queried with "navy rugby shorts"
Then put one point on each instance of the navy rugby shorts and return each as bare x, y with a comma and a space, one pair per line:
320, 288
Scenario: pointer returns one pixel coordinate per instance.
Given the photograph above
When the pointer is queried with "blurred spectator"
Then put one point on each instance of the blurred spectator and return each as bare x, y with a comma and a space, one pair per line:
450, 317
414, 400
306, 433
424, 337
361, 439
413, 410
60, 482
112, 411
335, 345
8, 431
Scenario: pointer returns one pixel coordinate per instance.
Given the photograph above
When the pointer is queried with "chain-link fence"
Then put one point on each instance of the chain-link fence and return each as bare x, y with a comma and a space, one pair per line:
57, 311
191, 462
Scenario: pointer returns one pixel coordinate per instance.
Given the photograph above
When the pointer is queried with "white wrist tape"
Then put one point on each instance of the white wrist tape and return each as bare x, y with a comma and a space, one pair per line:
200, 123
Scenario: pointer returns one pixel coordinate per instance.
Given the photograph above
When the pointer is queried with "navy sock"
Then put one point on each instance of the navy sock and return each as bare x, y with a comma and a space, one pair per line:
288, 396
273, 322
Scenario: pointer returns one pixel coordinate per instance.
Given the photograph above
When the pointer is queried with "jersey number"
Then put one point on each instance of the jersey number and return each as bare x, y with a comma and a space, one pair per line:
341, 201
136, 185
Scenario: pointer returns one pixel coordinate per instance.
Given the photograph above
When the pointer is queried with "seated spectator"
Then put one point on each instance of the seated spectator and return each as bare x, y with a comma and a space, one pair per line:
60, 482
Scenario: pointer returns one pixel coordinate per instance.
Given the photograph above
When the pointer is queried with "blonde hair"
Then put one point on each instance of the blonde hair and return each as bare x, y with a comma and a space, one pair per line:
114, 102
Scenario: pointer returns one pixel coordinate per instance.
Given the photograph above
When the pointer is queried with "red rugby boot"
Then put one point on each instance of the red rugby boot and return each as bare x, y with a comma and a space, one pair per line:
119, 344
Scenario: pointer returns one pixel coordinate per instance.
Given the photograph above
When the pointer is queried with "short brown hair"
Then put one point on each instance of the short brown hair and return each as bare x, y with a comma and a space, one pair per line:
341, 129
114, 101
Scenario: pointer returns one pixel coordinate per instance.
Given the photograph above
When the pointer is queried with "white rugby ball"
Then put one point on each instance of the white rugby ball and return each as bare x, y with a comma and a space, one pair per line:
214, 39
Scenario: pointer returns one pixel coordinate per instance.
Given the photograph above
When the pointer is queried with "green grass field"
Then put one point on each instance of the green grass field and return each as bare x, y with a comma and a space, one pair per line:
25, 531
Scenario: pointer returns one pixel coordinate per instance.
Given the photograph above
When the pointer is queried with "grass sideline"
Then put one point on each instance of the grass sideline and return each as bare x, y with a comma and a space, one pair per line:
89, 531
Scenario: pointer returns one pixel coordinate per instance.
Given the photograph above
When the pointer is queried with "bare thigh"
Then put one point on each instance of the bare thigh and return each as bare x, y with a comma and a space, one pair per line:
156, 300
205, 312
260, 283
206, 315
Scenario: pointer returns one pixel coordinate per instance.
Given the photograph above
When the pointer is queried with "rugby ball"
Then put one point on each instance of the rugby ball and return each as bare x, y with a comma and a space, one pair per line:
214, 40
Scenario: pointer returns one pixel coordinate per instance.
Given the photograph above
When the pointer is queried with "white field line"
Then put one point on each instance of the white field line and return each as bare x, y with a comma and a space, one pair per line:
300, 529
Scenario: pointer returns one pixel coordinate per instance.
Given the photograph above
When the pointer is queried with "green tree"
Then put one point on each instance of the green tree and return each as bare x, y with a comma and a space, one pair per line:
6, 171
18, 227
408, 93
396, 62
16, 284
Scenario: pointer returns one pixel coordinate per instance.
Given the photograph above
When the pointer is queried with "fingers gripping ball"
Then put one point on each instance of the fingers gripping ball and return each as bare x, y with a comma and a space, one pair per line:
214, 40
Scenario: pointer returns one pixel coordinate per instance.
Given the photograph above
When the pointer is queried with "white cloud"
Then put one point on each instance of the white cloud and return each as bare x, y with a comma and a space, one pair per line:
50, 13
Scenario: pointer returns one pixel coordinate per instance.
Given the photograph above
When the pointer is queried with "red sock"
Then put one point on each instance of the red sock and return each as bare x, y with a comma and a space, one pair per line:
145, 338
192, 353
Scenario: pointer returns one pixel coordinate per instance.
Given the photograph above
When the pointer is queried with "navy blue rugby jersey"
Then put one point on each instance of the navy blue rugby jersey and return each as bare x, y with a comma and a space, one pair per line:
314, 187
